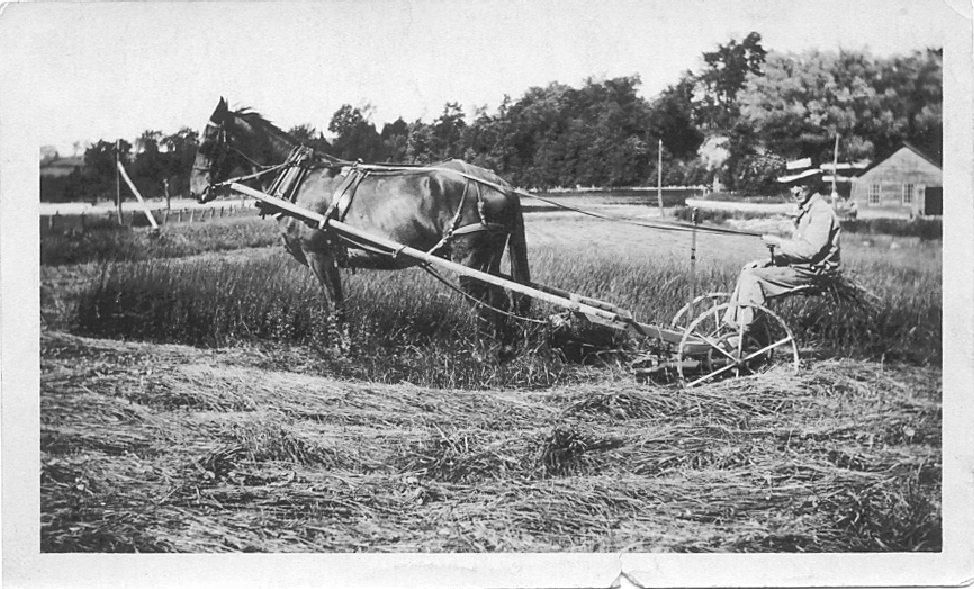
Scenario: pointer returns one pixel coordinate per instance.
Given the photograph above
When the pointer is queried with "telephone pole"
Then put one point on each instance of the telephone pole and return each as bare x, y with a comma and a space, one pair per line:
659, 177
118, 180
835, 162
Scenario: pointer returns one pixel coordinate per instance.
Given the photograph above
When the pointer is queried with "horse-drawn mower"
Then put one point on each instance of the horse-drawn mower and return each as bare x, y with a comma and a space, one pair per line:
398, 216
694, 348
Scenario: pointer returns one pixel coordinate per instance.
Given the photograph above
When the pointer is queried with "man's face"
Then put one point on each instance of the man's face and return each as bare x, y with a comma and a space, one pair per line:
799, 193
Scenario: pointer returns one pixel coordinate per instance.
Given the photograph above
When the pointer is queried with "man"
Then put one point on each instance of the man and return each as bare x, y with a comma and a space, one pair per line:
812, 250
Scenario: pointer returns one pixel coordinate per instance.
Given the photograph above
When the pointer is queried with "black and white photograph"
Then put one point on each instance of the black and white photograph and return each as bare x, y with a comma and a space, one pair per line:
428, 293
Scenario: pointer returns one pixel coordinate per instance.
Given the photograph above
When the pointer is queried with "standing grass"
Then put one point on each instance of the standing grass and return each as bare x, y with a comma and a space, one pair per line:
176, 240
403, 325
406, 327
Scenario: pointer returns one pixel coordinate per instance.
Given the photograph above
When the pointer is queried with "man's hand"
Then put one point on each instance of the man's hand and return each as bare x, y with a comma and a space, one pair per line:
757, 264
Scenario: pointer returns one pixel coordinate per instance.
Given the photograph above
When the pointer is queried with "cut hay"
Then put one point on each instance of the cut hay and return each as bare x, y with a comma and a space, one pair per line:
845, 457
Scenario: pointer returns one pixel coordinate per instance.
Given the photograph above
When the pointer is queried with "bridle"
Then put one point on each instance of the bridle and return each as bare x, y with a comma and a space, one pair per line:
221, 142
224, 146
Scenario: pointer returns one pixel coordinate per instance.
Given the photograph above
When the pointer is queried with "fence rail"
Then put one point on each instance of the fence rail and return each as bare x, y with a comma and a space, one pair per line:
80, 223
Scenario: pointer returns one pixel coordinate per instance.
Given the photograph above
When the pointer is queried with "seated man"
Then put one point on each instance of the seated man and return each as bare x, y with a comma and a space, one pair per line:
812, 250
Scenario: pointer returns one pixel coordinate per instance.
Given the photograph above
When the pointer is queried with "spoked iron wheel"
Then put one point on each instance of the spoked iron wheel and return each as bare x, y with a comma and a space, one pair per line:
710, 350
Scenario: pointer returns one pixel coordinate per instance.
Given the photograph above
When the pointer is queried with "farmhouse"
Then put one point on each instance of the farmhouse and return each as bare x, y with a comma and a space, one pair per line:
60, 167
906, 185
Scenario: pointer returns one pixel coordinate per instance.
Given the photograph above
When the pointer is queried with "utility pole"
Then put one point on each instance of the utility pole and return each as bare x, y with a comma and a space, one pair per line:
659, 177
835, 162
118, 180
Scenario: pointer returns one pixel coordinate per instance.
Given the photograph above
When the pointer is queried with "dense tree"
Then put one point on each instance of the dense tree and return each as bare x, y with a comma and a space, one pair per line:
100, 169
447, 132
763, 106
756, 174
394, 138
727, 72
872, 105
419, 143
672, 118
179, 155
356, 138
150, 165
308, 136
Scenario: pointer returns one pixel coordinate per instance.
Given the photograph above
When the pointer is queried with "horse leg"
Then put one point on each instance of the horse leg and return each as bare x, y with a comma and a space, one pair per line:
518, 253
322, 261
484, 252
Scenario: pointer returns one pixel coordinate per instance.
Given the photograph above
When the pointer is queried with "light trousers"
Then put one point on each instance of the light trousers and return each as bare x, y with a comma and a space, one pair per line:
757, 285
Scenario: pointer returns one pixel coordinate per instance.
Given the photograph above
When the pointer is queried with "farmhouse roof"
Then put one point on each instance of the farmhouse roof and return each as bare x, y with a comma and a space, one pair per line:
924, 155
937, 161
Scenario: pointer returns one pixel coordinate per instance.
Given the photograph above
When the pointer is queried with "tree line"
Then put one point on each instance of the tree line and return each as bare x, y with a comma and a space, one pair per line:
739, 118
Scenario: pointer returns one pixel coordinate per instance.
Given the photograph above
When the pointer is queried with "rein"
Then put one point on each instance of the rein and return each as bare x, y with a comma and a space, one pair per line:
664, 226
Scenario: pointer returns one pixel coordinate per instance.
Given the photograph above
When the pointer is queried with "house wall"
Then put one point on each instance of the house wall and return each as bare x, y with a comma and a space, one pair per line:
902, 168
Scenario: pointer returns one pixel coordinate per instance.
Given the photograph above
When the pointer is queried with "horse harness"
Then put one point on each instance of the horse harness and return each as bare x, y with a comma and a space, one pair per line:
302, 160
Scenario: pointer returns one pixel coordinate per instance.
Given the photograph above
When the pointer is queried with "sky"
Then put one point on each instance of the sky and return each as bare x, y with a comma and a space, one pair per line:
110, 70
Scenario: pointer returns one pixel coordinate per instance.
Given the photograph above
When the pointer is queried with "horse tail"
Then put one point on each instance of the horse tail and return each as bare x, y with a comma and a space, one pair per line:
518, 252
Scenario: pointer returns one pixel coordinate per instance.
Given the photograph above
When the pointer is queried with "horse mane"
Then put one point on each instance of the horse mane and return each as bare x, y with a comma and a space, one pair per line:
253, 116
247, 112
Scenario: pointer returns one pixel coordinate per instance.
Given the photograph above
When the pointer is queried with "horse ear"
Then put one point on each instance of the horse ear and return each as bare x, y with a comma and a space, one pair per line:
221, 111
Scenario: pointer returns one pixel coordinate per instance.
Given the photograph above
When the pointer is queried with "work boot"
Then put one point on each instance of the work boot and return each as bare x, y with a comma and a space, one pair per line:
757, 335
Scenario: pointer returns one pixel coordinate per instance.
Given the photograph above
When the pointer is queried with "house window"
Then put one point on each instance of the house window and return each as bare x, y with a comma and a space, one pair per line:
907, 194
875, 191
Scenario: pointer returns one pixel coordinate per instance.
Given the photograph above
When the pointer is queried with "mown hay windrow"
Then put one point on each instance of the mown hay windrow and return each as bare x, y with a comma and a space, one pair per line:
843, 457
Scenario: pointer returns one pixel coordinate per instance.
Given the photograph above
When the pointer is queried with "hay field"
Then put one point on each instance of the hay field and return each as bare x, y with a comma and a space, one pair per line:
264, 446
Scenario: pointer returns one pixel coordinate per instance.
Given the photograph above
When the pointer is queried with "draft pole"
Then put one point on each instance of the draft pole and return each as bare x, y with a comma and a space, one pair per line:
659, 178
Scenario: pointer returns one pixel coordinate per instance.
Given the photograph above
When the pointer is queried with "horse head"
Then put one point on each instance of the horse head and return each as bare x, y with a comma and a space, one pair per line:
220, 155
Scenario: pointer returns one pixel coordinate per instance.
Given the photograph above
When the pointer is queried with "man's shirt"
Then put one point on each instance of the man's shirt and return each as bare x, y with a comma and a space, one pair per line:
816, 241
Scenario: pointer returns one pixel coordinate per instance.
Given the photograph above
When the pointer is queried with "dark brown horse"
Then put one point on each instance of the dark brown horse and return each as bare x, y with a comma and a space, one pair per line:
455, 210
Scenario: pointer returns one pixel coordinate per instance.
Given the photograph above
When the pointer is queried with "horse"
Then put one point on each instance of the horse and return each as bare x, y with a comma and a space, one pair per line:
453, 209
